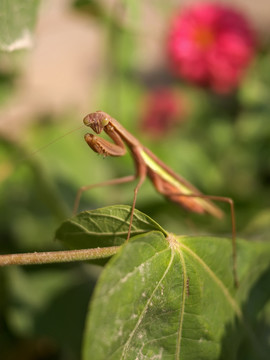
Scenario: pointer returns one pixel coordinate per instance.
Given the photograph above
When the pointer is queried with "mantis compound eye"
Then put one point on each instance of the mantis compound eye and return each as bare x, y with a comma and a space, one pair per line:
96, 121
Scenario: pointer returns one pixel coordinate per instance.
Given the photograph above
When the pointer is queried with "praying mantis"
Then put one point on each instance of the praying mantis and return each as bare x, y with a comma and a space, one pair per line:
171, 185
165, 180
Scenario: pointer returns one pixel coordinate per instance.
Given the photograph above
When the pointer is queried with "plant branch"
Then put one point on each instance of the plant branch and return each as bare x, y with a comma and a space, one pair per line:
57, 256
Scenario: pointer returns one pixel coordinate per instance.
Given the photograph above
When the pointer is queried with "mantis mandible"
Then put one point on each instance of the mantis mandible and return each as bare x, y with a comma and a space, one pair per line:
166, 181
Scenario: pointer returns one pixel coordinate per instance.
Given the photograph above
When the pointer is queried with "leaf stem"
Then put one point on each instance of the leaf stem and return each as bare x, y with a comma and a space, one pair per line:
57, 256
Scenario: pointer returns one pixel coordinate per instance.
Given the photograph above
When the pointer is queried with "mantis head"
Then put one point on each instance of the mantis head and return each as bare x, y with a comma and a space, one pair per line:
99, 121
96, 121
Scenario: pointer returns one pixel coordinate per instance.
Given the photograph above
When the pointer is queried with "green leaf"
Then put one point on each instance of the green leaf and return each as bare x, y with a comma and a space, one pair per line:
170, 297
173, 298
107, 226
17, 19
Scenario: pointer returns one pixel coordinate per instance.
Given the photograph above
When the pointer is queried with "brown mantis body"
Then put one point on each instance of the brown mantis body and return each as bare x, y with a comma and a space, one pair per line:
166, 182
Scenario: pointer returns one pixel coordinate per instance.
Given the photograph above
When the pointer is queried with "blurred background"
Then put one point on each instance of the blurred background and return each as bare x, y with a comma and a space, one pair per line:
189, 79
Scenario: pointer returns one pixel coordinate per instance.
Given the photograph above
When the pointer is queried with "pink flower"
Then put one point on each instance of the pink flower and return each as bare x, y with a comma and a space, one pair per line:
211, 45
163, 108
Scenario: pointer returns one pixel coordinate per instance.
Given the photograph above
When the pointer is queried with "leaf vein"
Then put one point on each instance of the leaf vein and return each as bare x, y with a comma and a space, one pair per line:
225, 291
182, 308
125, 349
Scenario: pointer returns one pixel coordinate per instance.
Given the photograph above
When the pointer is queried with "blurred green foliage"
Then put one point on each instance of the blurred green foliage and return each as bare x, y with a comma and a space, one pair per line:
17, 20
222, 147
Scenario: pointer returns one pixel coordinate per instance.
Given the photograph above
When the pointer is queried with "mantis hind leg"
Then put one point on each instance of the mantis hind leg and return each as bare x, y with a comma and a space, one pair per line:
117, 181
139, 184
233, 226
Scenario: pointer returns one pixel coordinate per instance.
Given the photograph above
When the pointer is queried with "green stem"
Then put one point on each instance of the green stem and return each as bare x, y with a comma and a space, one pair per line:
57, 256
